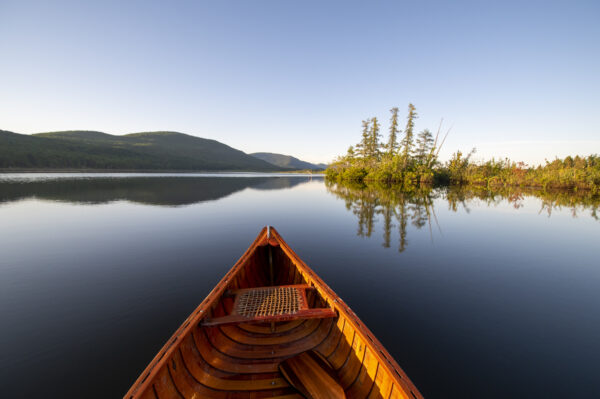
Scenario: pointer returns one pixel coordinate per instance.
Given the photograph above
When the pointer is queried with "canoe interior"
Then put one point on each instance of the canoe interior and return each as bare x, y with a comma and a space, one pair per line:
241, 360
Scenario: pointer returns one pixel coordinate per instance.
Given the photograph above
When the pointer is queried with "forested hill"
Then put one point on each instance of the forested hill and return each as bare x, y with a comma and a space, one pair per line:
287, 161
137, 151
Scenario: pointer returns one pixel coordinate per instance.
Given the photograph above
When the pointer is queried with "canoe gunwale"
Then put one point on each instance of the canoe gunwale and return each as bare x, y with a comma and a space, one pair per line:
333, 301
190, 322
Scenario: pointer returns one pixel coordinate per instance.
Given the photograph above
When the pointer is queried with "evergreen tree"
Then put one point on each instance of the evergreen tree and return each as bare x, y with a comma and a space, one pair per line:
424, 147
407, 141
374, 142
350, 154
363, 146
392, 144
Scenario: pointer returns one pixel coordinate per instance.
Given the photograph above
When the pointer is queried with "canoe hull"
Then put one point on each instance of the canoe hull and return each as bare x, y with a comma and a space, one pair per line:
241, 361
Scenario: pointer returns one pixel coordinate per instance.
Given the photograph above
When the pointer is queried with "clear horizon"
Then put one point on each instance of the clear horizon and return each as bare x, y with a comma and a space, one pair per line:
513, 80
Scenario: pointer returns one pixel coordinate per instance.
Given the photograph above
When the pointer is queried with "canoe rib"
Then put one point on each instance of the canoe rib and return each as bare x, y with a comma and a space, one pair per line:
241, 360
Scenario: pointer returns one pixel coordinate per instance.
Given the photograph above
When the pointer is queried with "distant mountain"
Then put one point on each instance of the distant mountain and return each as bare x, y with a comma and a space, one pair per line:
137, 151
287, 161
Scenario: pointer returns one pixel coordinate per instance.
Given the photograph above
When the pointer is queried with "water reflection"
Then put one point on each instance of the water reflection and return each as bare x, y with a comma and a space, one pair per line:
163, 191
578, 202
503, 294
400, 207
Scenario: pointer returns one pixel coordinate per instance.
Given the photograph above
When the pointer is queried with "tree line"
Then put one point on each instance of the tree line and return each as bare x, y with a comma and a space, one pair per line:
411, 159
405, 157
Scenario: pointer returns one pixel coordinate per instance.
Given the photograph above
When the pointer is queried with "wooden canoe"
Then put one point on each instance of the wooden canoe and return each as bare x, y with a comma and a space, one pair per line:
228, 349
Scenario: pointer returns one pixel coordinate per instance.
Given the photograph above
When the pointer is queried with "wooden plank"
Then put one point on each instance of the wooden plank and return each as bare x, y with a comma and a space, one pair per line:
350, 370
327, 347
219, 379
319, 313
247, 338
164, 386
223, 384
383, 384
303, 299
340, 355
312, 376
230, 364
264, 329
149, 394
243, 290
363, 384
398, 393
230, 348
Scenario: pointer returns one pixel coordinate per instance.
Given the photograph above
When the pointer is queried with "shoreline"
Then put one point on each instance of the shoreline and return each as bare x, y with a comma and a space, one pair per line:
15, 170
483, 186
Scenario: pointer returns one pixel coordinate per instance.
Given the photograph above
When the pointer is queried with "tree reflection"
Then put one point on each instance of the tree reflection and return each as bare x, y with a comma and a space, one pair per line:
401, 206
553, 200
416, 206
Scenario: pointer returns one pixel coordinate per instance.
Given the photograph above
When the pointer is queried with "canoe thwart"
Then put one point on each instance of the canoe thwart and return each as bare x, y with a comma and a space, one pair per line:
270, 304
296, 286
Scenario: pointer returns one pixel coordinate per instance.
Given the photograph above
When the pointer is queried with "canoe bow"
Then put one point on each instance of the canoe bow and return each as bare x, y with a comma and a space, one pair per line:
222, 351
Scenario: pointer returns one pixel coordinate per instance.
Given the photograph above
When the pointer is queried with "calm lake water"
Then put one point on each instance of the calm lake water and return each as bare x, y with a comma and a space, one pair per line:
476, 294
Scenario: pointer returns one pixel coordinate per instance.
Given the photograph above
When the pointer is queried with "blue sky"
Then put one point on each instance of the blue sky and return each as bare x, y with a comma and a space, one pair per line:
518, 79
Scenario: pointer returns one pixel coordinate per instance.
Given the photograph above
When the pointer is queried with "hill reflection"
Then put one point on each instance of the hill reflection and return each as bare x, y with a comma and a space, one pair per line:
399, 208
163, 191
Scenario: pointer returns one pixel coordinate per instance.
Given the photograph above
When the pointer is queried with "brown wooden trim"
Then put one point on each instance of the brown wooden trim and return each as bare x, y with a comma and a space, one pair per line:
336, 302
301, 314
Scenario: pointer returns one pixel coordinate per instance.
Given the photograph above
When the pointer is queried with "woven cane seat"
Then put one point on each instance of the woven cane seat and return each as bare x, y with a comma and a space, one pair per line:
276, 303
269, 301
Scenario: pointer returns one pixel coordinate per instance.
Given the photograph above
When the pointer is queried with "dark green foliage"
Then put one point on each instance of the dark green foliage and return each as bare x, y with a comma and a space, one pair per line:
407, 141
374, 140
415, 165
392, 145
350, 154
570, 173
402, 167
457, 167
138, 151
363, 147
424, 147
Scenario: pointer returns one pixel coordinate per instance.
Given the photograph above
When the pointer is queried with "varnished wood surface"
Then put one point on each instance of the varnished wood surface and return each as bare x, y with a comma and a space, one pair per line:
311, 374
302, 312
241, 360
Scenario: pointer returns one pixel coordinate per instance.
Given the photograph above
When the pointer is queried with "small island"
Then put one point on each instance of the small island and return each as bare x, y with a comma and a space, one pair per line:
408, 161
